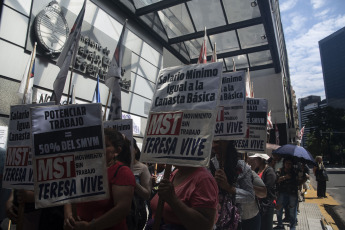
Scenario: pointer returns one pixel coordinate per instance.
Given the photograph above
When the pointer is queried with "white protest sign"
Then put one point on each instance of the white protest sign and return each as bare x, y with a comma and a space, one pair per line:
69, 155
136, 122
183, 113
256, 121
231, 119
18, 171
189, 87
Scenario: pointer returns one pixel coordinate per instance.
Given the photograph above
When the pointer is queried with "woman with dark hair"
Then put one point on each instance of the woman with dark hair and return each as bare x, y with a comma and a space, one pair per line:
320, 178
142, 191
110, 213
235, 180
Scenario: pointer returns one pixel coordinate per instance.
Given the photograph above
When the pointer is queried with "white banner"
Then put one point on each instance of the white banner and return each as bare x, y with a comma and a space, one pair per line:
256, 122
69, 154
231, 118
191, 87
18, 172
183, 115
179, 138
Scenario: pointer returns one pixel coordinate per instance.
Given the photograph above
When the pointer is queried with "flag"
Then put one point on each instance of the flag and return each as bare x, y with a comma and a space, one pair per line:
203, 51
67, 56
112, 80
96, 96
25, 88
214, 54
269, 121
233, 65
72, 100
301, 132
248, 86
252, 90
277, 134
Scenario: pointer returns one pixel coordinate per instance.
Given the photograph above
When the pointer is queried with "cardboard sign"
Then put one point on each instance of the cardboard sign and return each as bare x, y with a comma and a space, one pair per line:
69, 155
231, 118
256, 122
183, 112
18, 171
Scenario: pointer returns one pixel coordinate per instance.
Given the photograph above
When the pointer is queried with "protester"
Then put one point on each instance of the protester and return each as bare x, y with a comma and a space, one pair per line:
267, 204
321, 178
235, 180
142, 192
4, 193
287, 184
110, 213
190, 199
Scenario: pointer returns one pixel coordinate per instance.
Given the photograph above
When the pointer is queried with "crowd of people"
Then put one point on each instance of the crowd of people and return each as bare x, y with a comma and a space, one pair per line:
236, 191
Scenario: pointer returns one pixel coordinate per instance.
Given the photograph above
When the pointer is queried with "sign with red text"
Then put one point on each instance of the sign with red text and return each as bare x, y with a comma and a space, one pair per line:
231, 118
256, 130
69, 155
18, 171
183, 113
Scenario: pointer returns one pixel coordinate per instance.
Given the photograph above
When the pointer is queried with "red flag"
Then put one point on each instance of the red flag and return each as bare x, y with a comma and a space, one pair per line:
301, 132
269, 121
214, 54
203, 51
277, 134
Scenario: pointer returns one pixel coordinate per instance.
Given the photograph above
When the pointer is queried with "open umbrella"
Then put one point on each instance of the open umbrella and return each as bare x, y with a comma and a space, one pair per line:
295, 151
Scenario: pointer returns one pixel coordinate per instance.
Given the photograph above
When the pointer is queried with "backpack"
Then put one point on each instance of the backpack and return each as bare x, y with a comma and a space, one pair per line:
229, 216
137, 217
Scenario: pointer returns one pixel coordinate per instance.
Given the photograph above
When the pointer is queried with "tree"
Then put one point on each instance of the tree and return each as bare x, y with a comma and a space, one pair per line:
327, 133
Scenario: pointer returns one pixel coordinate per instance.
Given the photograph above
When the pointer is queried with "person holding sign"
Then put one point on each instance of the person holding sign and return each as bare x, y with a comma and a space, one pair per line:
191, 198
110, 213
235, 180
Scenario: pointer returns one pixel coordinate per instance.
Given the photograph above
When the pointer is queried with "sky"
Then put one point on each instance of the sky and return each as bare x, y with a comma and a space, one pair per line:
305, 23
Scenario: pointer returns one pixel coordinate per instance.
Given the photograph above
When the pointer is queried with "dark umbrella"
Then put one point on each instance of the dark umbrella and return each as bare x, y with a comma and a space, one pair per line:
295, 151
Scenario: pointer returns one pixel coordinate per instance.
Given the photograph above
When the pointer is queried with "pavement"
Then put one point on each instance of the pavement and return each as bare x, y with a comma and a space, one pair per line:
319, 213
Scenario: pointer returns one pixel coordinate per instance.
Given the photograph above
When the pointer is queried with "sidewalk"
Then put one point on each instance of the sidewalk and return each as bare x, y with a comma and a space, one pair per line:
312, 211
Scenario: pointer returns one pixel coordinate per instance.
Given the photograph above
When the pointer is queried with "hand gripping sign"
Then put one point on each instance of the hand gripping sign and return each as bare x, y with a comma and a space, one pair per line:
69, 155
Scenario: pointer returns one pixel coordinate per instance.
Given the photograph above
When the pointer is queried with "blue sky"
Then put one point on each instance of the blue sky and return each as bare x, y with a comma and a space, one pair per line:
305, 23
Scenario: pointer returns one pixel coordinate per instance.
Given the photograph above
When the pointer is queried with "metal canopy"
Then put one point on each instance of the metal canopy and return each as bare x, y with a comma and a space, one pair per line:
243, 30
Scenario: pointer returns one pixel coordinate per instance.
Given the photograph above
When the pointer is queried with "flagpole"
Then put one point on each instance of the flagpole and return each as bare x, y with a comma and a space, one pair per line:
70, 77
106, 105
29, 73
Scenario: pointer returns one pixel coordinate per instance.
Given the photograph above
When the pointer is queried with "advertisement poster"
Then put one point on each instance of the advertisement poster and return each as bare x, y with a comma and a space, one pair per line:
18, 171
183, 113
69, 155
231, 118
256, 122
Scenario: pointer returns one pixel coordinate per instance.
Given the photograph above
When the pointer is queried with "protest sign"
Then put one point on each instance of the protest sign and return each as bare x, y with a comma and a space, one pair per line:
18, 172
189, 87
183, 112
231, 118
256, 122
69, 157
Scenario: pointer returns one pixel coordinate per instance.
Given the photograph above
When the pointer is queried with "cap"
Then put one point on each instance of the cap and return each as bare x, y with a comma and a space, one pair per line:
261, 155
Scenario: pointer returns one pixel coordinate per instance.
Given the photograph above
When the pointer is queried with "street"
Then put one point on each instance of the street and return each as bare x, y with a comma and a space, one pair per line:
336, 183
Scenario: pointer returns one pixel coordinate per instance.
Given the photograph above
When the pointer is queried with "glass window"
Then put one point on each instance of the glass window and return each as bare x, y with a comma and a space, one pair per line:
142, 3
206, 13
194, 46
237, 11
260, 58
225, 42
240, 62
252, 36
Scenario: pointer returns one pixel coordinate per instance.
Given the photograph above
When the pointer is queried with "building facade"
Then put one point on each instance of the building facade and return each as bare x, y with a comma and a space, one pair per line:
163, 34
306, 106
332, 52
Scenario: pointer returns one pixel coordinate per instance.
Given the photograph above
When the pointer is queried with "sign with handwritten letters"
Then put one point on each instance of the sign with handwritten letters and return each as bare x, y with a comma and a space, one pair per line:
184, 109
231, 118
256, 122
69, 155
18, 171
